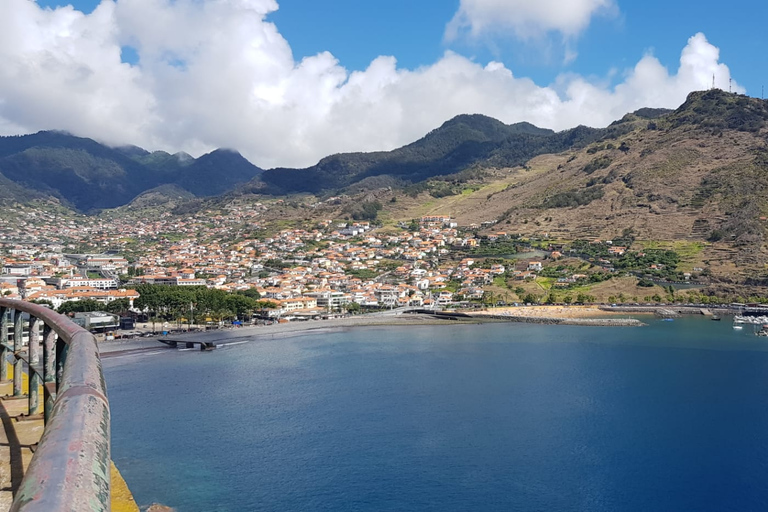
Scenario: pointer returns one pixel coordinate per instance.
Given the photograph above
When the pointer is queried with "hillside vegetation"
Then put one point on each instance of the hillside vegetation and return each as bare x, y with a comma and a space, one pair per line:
90, 176
698, 174
464, 142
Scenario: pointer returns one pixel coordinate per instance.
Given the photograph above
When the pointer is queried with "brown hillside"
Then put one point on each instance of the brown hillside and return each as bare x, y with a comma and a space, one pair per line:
699, 174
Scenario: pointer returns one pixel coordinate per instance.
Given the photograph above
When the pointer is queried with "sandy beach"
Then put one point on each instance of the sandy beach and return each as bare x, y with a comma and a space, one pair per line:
576, 315
233, 335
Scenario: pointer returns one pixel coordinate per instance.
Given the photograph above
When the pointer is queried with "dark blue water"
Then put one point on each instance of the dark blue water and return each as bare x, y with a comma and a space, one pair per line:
499, 417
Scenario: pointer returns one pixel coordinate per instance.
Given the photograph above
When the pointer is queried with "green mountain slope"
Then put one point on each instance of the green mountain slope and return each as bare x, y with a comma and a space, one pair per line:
463, 142
81, 171
215, 173
696, 175
11, 191
90, 176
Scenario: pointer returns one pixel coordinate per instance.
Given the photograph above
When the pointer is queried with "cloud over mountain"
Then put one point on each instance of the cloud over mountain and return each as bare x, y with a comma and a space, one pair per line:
218, 74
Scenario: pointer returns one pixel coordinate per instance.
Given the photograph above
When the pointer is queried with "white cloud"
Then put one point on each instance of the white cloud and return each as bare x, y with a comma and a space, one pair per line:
216, 74
526, 18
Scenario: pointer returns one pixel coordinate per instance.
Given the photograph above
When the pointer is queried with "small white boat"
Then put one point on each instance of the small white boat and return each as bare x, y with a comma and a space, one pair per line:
738, 327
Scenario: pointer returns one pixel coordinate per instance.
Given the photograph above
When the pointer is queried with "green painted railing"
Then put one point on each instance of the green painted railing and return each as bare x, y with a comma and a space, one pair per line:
70, 470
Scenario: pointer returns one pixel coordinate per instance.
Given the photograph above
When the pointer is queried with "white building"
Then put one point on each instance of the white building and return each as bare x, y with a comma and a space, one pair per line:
86, 282
329, 300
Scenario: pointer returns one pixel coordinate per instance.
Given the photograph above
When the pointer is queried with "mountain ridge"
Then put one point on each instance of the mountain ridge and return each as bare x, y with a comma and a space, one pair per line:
90, 176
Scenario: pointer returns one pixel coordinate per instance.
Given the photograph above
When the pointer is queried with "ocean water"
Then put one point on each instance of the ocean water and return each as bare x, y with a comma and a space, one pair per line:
495, 417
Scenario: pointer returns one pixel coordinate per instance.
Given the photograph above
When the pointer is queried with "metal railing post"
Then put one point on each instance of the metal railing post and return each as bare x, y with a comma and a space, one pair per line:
70, 469
4, 320
18, 340
34, 365
61, 358
49, 369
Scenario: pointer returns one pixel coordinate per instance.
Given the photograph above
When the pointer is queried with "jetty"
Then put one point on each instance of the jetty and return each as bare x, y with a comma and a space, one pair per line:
205, 346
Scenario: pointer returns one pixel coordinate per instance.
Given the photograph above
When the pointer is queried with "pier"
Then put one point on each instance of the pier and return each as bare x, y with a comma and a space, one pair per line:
205, 346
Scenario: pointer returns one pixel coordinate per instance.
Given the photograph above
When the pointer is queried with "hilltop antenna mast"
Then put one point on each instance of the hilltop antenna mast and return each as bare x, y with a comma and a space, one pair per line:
713, 80
730, 81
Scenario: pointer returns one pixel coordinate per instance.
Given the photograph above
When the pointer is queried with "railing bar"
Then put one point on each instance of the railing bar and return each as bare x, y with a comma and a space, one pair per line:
37, 369
48, 393
35, 372
18, 365
61, 359
70, 469
49, 370
4, 346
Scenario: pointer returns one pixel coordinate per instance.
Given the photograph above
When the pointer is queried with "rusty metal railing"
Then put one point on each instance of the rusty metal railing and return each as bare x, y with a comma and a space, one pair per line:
70, 469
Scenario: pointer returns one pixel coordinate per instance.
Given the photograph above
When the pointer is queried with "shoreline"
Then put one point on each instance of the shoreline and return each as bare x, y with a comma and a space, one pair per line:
559, 315
544, 320
221, 337
606, 316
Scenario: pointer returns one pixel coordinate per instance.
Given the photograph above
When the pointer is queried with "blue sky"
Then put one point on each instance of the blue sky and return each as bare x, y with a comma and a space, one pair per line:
356, 32
287, 82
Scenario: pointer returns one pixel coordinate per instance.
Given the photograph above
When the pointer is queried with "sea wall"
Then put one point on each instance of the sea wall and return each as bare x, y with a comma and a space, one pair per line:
675, 308
607, 322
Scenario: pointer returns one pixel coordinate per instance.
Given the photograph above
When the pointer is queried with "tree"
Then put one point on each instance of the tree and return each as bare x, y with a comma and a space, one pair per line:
250, 292
266, 304
118, 307
80, 306
568, 299
241, 305
531, 299
353, 307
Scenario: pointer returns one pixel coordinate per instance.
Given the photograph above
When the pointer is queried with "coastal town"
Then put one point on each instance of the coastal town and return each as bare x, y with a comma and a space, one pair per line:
324, 267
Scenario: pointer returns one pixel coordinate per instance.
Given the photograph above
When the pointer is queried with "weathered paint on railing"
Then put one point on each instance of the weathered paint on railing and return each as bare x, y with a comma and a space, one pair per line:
71, 466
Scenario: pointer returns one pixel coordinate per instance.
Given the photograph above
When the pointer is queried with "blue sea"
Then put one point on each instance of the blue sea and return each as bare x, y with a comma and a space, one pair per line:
494, 417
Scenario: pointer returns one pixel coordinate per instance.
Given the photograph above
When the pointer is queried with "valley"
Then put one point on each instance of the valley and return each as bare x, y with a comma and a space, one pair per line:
604, 213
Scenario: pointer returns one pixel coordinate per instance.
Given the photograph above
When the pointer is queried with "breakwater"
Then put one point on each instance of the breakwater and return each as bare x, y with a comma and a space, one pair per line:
606, 322
542, 320
677, 309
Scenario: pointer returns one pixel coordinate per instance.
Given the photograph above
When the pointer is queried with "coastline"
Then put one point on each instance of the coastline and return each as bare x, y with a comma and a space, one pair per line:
546, 315
254, 333
560, 315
